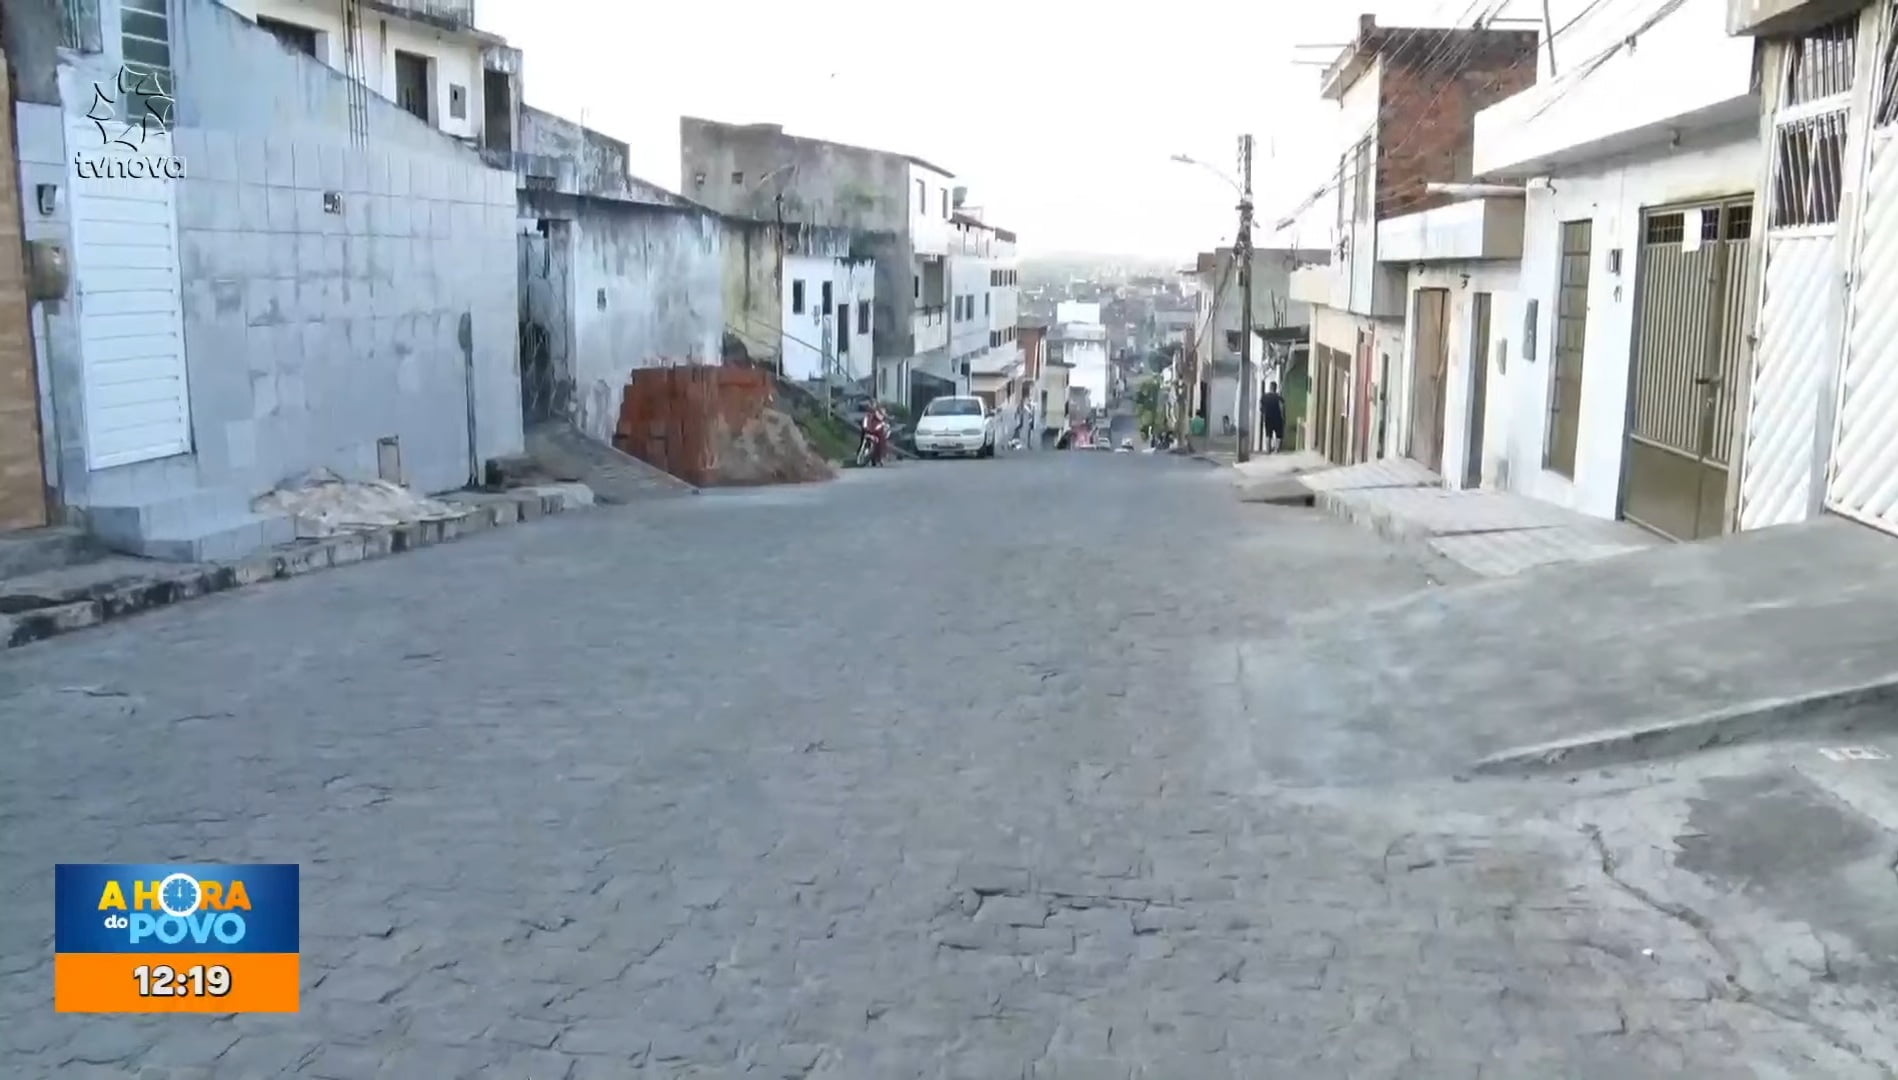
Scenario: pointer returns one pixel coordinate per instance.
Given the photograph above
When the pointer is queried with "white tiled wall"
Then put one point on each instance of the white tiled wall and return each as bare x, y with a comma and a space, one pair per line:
312, 334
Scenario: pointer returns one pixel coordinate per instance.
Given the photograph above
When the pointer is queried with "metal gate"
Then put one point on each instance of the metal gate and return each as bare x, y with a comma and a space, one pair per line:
1862, 474
547, 384
1429, 365
1800, 325
1691, 331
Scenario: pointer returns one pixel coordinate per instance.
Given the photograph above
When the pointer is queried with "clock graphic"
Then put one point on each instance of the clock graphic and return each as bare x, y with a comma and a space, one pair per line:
179, 895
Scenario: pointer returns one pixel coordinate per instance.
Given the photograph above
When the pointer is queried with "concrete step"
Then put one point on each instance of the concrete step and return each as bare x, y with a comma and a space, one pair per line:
120, 524
219, 541
197, 526
31, 551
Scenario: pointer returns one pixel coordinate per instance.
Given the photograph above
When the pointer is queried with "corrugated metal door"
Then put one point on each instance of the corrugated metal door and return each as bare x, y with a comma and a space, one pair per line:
1692, 300
131, 327
1797, 339
1790, 357
1862, 475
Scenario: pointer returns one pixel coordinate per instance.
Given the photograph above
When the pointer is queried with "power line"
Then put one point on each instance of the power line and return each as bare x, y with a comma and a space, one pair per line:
1587, 68
1445, 43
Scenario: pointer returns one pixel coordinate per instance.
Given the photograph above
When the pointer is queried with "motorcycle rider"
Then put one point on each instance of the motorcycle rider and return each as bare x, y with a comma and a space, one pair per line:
876, 428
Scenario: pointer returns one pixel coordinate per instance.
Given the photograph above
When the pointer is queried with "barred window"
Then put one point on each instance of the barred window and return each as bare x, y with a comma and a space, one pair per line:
1808, 170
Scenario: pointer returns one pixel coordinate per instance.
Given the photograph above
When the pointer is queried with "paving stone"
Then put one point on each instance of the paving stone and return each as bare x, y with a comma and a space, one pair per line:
722, 780
1012, 911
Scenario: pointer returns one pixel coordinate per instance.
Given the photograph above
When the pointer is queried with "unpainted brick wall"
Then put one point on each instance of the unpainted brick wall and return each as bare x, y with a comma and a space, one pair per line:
675, 418
1427, 112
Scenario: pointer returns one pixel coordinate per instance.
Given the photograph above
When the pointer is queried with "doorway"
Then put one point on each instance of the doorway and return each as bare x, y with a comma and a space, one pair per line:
1690, 333
1479, 391
1429, 364
413, 85
497, 108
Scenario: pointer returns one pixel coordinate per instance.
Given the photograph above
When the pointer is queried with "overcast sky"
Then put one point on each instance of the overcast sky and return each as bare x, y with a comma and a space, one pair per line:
1060, 115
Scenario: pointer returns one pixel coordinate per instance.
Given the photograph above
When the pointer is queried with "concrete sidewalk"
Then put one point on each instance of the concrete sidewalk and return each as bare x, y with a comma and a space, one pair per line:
1491, 533
1770, 634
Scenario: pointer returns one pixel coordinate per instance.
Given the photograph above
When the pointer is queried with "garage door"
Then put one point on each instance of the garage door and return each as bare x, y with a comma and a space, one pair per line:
131, 327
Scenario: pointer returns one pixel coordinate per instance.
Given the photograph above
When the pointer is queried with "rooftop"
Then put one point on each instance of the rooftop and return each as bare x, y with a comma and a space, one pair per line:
1422, 46
777, 130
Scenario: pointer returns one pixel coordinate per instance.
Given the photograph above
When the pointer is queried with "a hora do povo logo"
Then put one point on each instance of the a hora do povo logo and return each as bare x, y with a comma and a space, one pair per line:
178, 909
176, 937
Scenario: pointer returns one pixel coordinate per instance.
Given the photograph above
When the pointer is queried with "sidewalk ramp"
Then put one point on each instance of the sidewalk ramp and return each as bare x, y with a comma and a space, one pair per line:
1784, 631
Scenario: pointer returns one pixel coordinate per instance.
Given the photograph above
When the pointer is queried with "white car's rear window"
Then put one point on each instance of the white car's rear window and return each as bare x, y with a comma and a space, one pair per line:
954, 406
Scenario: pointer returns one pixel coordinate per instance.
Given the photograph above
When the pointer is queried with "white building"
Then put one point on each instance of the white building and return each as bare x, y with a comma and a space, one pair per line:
1819, 405
1397, 130
1219, 399
1464, 267
216, 334
426, 56
1607, 370
1077, 311
900, 211
1082, 347
827, 304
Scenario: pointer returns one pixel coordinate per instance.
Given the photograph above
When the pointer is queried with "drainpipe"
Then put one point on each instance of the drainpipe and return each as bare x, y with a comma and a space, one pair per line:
1476, 191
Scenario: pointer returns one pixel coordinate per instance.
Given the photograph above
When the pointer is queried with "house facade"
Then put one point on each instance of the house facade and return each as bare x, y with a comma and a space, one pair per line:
1613, 376
1219, 397
899, 209
426, 56
1463, 267
616, 274
1407, 99
310, 278
1816, 407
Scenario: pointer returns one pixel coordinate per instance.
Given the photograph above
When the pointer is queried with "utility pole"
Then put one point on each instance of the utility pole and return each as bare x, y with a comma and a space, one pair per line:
1548, 36
1242, 250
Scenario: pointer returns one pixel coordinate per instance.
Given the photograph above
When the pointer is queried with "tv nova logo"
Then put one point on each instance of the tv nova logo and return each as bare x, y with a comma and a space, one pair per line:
176, 909
133, 116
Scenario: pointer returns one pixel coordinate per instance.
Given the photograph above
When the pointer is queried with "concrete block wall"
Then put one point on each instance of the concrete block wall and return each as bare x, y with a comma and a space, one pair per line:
648, 292
324, 290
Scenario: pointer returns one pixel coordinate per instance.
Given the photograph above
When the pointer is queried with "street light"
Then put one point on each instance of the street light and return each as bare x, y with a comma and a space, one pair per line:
1185, 159
1242, 255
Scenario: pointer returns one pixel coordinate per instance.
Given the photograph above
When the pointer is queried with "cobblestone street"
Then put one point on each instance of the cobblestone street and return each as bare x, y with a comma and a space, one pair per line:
941, 770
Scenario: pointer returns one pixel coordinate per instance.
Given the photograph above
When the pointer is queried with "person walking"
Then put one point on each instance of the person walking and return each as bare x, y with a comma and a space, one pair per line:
1272, 412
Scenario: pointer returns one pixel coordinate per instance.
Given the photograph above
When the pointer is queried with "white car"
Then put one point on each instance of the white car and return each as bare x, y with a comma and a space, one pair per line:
962, 426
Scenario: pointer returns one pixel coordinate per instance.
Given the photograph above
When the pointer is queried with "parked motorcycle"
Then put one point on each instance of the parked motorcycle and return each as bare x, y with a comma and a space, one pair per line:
874, 446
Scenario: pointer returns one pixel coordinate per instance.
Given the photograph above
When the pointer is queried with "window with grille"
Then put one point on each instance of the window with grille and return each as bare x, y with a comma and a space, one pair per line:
1809, 128
1666, 228
1808, 170
1819, 65
145, 38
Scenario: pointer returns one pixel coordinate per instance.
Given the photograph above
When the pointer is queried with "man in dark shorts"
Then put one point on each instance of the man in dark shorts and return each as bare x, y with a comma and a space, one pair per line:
1272, 411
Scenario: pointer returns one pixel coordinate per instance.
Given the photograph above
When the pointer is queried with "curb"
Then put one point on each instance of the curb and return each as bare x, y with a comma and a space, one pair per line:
170, 583
1384, 523
1823, 712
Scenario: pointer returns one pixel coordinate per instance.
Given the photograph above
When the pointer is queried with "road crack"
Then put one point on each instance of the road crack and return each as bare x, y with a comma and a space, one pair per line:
1732, 989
